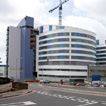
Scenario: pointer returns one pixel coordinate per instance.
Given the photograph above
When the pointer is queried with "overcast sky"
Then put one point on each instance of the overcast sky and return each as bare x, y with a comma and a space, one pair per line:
86, 14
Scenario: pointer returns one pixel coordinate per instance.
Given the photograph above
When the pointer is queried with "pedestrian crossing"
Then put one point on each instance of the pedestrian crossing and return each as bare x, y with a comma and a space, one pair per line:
84, 101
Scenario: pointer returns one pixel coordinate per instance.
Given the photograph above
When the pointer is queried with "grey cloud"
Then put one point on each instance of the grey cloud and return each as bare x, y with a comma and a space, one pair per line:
96, 8
5, 7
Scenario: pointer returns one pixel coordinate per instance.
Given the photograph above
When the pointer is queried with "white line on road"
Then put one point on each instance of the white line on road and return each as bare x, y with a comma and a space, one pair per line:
72, 98
19, 103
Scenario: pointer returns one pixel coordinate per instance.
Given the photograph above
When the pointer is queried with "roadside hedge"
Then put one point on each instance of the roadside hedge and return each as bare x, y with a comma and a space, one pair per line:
4, 80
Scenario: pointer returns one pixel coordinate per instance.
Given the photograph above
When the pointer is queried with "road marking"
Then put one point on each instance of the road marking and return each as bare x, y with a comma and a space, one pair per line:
19, 104
72, 98
88, 103
55, 95
85, 92
104, 102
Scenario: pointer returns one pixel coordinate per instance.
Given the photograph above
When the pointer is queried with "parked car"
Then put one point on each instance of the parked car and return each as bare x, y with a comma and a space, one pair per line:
80, 84
95, 85
36, 80
44, 81
73, 83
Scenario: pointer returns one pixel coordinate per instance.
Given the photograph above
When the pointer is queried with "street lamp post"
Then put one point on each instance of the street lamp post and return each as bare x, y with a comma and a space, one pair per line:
17, 66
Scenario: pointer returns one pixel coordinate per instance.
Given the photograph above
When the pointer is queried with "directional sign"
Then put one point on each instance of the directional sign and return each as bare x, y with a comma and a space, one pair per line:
4, 66
27, 103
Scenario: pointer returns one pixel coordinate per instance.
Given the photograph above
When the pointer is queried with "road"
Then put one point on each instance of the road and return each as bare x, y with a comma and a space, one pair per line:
56, 95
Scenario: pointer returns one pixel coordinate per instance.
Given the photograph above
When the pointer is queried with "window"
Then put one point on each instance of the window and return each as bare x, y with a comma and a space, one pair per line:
49, 36
61, 27
49, 52
83, 58
82, 52
82, 40
50, 41
41, 29
50, 46
50, 27
83, 35
82, 46
62, 39
78, 34
97, 42
61, 57
41, 37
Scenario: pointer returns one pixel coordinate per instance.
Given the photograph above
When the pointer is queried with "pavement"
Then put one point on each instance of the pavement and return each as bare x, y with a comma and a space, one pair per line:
5, 91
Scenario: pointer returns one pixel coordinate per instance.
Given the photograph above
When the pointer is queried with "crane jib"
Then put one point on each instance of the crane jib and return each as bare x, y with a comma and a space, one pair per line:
60, 10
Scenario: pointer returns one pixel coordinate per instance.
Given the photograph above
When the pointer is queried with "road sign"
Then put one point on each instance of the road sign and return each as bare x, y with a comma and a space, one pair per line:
4, 66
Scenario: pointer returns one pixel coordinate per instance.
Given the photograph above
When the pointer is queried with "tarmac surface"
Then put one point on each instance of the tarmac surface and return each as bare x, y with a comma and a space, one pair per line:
5, 90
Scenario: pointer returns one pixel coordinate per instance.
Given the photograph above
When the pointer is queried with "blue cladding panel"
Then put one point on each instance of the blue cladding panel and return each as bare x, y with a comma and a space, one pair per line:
49, 52
78, 34
79, 46
96, 77
27, 21
61, 57
41, 29
50, 27
61, 27
26, 54
97, 42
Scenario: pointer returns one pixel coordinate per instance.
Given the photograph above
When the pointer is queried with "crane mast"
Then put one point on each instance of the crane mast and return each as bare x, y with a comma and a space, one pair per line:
60, 10
60, 14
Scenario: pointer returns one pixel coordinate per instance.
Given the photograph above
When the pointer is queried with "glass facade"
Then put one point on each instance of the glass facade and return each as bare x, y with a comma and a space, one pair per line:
65, 49
54, 57
53, 52
82, 46
68, 62
83, 35
54, 46
99, 48
73, 70
54, 40
57, 76
103, 59
83, 58
54, 35
83, 41
104, 55
97, 42
101, 51
62, 27
83, 52
41, 29
50, 27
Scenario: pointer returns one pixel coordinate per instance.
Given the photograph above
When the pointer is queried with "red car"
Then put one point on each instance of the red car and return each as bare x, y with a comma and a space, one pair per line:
80, 84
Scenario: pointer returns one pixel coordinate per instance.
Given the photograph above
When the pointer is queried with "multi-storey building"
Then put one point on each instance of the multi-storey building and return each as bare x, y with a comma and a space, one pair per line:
58, 52
2, 69
64, 52
20, 50
101, 52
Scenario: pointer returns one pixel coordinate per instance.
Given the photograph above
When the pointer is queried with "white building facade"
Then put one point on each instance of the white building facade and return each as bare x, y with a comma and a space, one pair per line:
101, 52
14, 52
64, 52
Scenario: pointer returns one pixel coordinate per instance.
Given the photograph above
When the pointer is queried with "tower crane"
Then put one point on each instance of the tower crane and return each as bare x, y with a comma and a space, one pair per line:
60, 10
